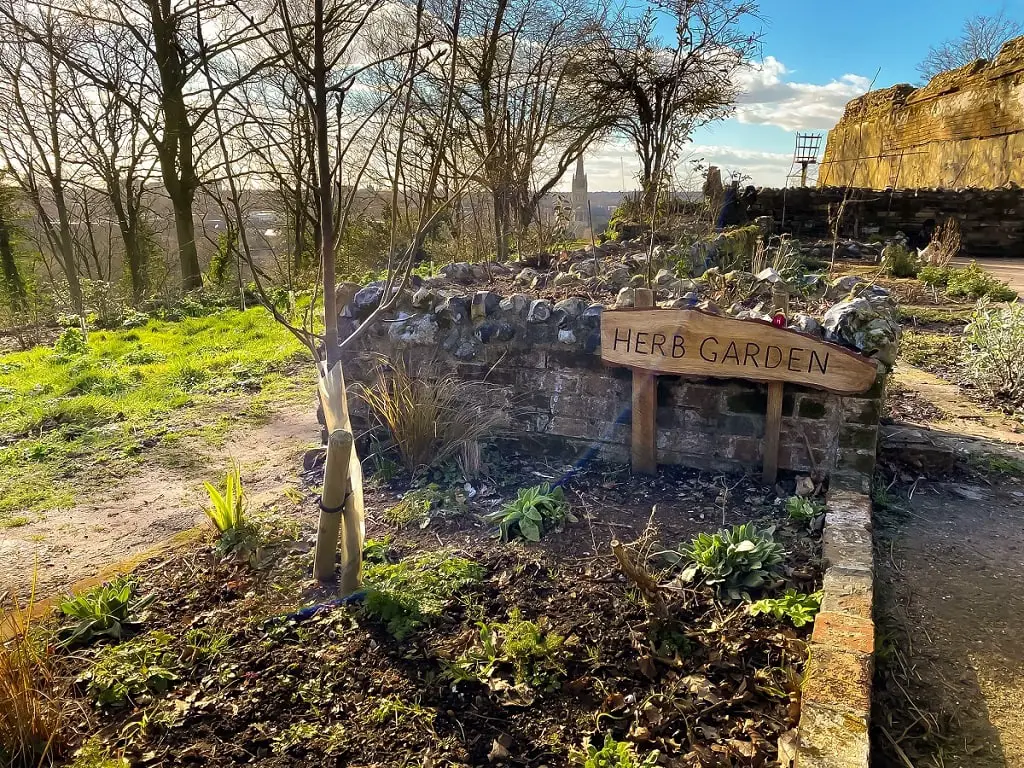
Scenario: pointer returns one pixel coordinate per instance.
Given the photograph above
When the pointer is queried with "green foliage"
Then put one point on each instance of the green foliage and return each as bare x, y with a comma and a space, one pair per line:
417, 504
898, 261
93, 754
376, 550
227, 510
312, 736
69, 344
798, 607
734, 560
993, 349
224, 257
936, 277
918, 314
203, 645
393, 708
407, 594
108, 610
801, 509
612, 754
535, 512
526, 647
974, 282
145, 665
923, 349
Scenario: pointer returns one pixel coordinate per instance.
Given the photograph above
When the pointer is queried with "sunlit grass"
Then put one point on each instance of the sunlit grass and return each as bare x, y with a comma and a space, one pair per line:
64, 418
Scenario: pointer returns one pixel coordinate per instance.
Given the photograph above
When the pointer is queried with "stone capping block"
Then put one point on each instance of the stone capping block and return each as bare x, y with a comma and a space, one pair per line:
835, 705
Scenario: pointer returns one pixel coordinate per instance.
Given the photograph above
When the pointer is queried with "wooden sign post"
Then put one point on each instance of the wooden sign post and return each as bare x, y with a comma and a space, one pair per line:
688, 342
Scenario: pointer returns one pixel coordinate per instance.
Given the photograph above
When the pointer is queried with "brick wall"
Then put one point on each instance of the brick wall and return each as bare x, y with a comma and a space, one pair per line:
992, 221
564, 401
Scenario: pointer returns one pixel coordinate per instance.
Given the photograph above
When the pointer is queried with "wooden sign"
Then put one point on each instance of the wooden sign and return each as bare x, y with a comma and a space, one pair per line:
688, 342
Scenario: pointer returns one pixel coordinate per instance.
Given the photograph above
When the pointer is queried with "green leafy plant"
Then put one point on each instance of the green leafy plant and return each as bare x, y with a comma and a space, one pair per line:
527, 648
227, 513
407, 594
802, 509
535, 512
974, 282
612, 754
93, 754
376, 550
145, 665
419, 505
898, 261
734, 560
109, 610
70, 343
993, 350
798, 607
393, 708
936, 277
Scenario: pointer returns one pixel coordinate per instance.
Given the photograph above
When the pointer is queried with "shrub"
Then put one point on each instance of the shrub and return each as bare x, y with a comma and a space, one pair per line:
936, 277
410, 593
799, 608
70, 343
108, 610
734, 560
535, 512
801, 509
430, 420
897, 261
530, 651
33, 702
993, 353
612, 754
974, 282
145, 665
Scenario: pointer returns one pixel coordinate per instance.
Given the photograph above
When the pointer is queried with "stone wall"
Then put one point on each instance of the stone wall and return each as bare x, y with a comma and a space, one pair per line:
992, 221
543, 363
964, 129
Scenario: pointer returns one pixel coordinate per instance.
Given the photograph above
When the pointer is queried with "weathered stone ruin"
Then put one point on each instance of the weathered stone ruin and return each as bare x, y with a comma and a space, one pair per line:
964, 129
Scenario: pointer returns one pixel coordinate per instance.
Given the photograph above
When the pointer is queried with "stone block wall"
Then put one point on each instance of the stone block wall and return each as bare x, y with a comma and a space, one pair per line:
564, 401
992, 221
964, 129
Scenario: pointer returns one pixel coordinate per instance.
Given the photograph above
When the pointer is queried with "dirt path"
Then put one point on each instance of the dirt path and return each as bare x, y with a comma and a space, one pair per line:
152, 504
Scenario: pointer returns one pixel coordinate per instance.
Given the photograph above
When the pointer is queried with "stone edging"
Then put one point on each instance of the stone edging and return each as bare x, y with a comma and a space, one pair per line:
836, 698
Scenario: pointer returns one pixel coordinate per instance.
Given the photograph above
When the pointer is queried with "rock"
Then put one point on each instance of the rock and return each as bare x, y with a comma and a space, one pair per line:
617, 277
805, 324
664, 277
766, 224
344, 293
540, 311
418, 329
569, 309
314, 458
566, 336
517, 303
423, 299
562, 279
591, 317
625, 299
460, 272
841, 287
466, 350
485, 304
769, 275
638, 281
867, 325
804, 486
709, 307
495, 331
527, 276
453, 309
499, 270
479, 271
367, 299
585, 268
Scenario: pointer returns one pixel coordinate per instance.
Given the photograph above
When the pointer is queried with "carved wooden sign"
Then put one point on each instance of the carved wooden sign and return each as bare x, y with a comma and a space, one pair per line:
692, 343
688, 342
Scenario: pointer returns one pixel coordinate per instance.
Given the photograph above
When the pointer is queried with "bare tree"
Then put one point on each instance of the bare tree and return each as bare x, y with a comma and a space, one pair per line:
664, 88
13, 283
34, 96
981, 38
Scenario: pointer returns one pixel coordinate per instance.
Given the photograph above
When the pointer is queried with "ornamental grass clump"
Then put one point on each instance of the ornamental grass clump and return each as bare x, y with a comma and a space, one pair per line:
735, 560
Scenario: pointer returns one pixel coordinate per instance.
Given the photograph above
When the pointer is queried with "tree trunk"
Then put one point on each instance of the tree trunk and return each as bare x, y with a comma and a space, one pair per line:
500, 225
326, 192
12, 277
188, 255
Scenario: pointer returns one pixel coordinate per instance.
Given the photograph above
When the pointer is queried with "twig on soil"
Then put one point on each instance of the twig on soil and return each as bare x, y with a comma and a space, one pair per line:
639, 575
896, 746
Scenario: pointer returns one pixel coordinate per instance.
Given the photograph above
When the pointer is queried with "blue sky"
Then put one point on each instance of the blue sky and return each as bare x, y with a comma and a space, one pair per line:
815, 57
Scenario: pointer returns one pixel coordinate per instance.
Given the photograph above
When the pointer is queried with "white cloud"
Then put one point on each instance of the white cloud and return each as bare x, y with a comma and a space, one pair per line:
768, 99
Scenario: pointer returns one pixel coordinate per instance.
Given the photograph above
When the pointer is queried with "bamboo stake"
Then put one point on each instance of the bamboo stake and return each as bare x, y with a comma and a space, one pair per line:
333, 503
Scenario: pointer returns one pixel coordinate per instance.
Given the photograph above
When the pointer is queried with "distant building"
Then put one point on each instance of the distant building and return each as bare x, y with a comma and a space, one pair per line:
579, 198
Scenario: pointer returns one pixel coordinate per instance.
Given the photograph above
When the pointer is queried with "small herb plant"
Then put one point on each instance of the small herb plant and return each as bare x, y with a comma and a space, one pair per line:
120, 673
535, 512
109, 610
802, 509
799, 608
526, 647
734, 560
227, 510
407, 594
612, 754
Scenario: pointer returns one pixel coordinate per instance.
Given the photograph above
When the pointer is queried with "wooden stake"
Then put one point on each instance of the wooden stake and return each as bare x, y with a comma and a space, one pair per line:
645, 406
772, 427
333, 503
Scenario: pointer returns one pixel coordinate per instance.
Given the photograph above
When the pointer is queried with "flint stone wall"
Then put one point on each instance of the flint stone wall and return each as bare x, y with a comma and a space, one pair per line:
544, 363
992, 221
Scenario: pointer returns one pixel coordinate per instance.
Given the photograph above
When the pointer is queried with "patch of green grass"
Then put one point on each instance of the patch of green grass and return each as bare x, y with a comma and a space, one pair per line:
64, 411
996, 464
16, 521
916, 314
922, 349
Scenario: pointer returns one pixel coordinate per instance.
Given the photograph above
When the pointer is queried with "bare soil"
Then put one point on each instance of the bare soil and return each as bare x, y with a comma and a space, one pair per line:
156, 501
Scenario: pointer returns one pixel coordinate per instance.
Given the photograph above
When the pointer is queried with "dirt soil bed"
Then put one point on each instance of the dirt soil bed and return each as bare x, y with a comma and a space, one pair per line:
705, 683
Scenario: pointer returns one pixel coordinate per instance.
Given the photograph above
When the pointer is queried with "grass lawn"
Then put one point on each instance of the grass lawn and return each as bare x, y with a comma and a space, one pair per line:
74, 413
